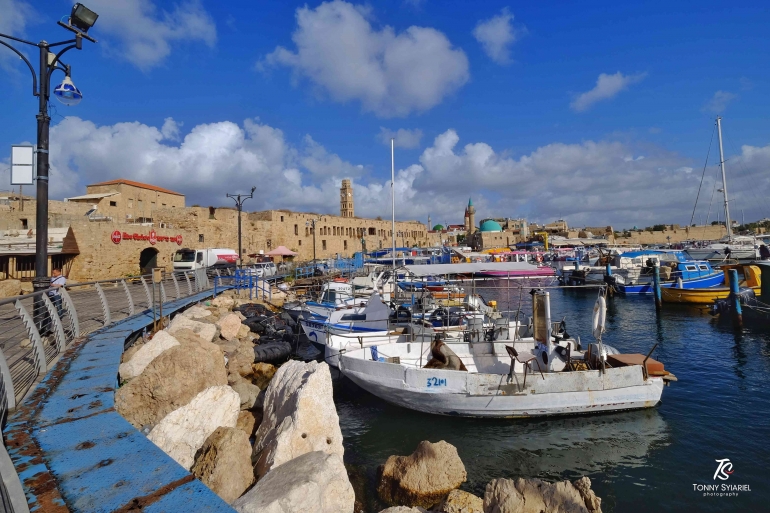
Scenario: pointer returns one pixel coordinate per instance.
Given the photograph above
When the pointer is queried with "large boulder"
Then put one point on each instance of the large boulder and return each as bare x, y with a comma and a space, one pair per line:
223, 302
248, 422
242, 358
262, 373
146, 353
315, 481
423, 478
459, 501
248, 393
182, 432
10, 288
536, 496
403, 509
170, 381
204, 330
224, 463
229, 326
298, 416
196, 312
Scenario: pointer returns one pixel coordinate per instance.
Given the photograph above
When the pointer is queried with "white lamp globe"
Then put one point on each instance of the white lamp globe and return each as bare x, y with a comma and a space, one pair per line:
67, 93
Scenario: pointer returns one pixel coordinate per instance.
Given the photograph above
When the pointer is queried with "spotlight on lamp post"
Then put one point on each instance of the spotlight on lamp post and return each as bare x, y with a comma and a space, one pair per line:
239, 199
81, 19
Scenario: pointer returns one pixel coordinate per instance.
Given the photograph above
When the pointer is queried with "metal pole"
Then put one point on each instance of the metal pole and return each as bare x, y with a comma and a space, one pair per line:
42, 281
240, 247
656, 287
724, 180
735, 299
393, 199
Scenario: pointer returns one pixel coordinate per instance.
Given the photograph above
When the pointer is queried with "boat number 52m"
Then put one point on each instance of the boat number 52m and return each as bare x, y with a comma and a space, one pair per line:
436, 382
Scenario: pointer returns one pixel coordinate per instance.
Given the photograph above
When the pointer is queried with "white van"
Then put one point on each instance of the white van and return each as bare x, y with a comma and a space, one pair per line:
187, 258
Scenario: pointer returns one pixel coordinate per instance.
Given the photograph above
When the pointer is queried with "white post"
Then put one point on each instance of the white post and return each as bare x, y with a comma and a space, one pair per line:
724, 180
393, 201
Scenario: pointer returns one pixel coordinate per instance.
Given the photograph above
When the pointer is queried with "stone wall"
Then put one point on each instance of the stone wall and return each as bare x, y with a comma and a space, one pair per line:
676, 234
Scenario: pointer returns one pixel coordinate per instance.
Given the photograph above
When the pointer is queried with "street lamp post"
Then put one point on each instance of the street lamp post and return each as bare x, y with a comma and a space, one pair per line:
239, 199
80, 20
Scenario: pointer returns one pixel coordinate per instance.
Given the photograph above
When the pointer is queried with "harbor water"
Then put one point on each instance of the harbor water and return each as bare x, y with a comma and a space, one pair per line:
644, 460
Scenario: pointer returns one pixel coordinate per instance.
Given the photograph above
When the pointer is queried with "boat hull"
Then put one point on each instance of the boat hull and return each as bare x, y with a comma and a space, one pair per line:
712, 280
465, 394
697, 296
540, 271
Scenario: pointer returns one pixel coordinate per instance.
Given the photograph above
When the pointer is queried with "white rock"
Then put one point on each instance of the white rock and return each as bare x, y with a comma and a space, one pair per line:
223, 302
229, 326
314, 482
204, 330
299, 416
196, 312
146, 354
240, 315
182, 432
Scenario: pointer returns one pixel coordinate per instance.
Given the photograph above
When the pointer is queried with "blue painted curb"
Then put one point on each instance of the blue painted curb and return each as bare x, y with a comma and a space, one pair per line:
74, 453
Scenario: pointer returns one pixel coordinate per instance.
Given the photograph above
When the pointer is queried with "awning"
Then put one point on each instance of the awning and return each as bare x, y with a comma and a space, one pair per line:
468, 268
281, 251
93, 196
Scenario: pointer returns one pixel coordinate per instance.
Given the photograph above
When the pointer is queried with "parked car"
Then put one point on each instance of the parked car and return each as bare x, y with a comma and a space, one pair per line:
263, 269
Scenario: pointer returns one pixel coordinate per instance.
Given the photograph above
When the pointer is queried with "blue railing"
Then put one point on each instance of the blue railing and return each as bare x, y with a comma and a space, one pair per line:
343, 266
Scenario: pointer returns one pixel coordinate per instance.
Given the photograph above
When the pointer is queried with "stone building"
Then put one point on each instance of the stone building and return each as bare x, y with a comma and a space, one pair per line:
470, 218
346, 199
128, 201
106, 246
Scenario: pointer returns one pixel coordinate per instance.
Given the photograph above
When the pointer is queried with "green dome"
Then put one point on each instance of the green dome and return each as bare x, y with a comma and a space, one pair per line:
438, 228
490, 226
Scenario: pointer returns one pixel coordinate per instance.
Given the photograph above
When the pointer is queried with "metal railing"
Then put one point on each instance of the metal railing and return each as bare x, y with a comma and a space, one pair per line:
35, 329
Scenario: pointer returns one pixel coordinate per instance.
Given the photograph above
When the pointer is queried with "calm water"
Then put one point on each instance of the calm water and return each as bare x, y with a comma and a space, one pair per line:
638, 461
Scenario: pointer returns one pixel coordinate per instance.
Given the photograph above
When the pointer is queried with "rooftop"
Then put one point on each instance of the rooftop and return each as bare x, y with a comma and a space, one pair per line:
121, 181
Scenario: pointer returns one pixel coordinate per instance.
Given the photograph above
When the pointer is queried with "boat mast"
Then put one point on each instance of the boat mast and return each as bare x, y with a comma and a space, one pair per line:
724, 180
393, 202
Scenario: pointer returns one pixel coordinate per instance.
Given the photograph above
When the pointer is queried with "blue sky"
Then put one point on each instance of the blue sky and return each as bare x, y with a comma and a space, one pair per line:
597, 112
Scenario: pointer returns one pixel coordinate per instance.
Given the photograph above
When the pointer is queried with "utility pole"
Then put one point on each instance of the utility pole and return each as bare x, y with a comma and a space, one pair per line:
239, 199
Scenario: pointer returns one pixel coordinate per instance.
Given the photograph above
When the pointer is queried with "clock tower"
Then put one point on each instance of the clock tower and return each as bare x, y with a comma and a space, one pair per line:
346, 198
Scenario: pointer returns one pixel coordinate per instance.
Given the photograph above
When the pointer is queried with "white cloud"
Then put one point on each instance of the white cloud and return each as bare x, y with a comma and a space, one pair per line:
607, 86
170, 129
391, 74
592, 182
496, 36
143, 33
718, 102
404, 138
15, 16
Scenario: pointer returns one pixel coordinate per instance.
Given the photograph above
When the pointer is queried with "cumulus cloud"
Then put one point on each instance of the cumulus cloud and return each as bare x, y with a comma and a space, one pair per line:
592, 182
496, 36
718, 102
607, 86
16, 14
143, 33
404, 138
391, 74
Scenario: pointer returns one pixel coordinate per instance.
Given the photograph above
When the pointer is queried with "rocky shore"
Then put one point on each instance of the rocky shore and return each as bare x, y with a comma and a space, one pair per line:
267, 439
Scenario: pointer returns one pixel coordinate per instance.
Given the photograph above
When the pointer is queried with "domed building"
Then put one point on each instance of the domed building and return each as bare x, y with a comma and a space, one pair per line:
490, 226
438, 228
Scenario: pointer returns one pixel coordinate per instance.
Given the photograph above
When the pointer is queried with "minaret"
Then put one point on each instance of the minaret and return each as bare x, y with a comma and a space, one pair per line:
346, 198
470, 214
430, 226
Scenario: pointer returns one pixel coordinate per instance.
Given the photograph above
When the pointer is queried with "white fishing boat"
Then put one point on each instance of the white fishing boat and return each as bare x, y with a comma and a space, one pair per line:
371, 317
538, 376
334, 295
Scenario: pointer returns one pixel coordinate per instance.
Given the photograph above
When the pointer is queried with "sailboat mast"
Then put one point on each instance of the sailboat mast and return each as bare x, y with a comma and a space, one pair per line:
393, 200
724, 180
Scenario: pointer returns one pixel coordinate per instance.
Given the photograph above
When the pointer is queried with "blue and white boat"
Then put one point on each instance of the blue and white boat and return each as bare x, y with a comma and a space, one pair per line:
685, 274
371, 318
334, 295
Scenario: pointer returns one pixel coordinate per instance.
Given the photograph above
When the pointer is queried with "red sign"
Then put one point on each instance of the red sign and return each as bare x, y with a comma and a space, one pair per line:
153, 238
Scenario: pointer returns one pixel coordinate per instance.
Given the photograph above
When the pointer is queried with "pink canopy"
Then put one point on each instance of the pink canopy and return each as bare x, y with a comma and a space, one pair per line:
281, 251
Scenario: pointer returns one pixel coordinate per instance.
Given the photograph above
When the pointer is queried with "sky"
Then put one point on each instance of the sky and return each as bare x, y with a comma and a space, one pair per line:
599, 113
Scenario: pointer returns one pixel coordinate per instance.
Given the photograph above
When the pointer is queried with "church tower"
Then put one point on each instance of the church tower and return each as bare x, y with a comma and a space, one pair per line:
346, 198
470, 218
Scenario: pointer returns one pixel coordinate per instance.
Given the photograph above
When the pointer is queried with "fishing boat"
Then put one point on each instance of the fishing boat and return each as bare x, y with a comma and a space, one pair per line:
499, 377
751, 279
690, 274
334, 295
369, 317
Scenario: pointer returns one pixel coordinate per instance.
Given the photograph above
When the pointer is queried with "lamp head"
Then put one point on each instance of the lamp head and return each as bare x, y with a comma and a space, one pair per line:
67, 93
253, 189
82, 17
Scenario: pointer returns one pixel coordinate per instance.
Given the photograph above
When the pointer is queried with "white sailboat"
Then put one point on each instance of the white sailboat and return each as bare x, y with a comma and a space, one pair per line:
741, 247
